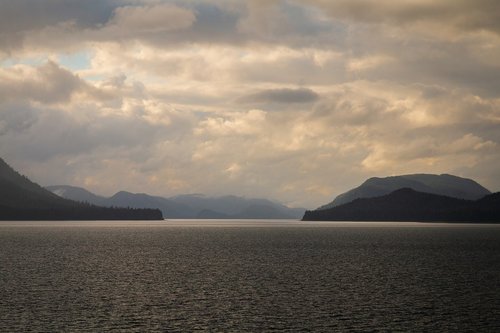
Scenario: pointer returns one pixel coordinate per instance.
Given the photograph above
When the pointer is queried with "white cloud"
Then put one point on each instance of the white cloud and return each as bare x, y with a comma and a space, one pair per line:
247, 123
367, 63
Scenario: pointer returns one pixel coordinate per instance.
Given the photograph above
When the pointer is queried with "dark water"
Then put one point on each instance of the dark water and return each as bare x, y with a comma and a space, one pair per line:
230, 277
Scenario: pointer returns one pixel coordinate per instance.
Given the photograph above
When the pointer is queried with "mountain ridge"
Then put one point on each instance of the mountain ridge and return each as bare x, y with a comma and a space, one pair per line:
22, 199
443, 184
193, 206
407, 204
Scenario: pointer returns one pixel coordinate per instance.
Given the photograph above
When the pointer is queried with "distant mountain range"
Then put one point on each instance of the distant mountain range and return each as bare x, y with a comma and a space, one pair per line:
419, 197
409, 205
21, 199
447, 185
192, 206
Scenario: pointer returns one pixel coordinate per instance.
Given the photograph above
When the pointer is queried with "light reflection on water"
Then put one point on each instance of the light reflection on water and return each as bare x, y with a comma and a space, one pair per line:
239, 224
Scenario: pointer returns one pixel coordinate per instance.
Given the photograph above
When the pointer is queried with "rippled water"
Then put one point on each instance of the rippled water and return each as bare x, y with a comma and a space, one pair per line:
248, 276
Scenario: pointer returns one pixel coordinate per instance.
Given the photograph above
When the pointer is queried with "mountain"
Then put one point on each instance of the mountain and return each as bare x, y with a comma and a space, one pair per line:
77, 194
254, 212
444, 184
190, 206
264, 212
22, 199
409, 205
211, 214
240, 208
124, 199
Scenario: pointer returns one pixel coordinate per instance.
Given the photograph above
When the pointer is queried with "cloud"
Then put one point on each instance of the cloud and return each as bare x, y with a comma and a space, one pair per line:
284, 22
284, 95
292, 100
150, 19
429, 153
44, 26
368, 63
16, 121
43, 133
19, 19
460, 15
235, 124
48, 83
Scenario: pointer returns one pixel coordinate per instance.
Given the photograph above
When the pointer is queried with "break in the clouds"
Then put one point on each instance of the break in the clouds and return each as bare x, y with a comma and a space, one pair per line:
291, 100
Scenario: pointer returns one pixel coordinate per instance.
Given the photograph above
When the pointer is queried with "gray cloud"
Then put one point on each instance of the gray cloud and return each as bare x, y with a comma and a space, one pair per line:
155, 18
285, 96
48, 83
16, 117
44, 133
459, 65
70, 24
460, 14
25, 15
347, 108
22, 17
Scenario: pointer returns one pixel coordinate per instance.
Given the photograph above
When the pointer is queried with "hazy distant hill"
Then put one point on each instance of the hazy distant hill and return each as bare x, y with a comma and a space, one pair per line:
188, 206
409, 205
254, 212
124, 199
77, 194
445, 184
21, 199
169, 208
239, 207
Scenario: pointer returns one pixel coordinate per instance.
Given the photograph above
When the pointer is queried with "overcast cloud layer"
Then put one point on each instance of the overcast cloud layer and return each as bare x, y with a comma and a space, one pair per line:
292, 100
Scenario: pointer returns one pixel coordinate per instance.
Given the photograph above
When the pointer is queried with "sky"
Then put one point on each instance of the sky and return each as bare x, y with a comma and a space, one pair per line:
296, 101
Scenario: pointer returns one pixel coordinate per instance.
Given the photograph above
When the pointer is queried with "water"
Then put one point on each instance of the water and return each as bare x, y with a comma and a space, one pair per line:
248, 276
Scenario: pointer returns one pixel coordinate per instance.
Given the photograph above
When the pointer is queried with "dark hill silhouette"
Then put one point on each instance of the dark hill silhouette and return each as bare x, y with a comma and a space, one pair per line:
444, 184
22, 199
169, 208
409, 205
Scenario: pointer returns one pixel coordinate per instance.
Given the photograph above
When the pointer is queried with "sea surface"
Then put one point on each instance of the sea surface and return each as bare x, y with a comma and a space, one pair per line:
248, 276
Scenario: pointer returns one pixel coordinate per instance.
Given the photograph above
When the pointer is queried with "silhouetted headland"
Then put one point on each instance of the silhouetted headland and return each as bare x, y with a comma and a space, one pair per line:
409, 205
